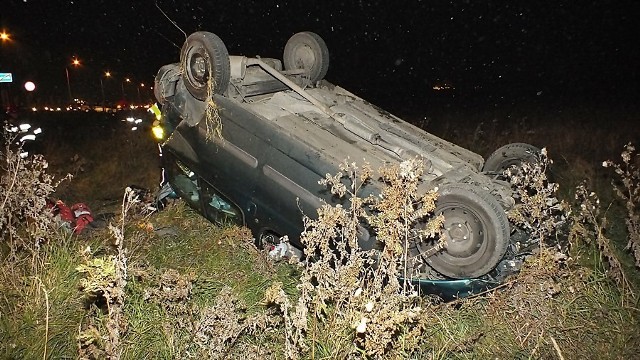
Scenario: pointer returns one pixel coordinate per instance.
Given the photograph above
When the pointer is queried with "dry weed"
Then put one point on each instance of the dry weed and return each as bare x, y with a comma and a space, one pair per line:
104, 286
352, 303
25, 185
628, 189
589, 223
537, 210
213, 122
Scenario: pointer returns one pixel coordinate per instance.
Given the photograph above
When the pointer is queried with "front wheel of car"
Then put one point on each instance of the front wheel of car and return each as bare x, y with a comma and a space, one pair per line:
205, 63
307, 51
476, 231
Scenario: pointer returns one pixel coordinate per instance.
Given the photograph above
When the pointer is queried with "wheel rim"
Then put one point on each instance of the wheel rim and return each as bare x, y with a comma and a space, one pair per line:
305, 58
468, 244
197, 69
466, 239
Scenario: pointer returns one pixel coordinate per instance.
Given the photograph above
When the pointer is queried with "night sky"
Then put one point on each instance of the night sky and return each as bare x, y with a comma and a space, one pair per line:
389, 52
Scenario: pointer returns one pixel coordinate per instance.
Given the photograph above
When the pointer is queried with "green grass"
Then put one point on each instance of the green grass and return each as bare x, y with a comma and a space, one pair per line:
24, 304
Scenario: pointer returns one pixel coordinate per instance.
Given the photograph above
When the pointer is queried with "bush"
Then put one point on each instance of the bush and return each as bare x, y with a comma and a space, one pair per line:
25, 185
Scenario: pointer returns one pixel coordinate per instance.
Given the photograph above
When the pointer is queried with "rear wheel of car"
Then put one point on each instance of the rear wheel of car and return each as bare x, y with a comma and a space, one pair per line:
476, 229
165, 82
510, 155
205, 62
306, 50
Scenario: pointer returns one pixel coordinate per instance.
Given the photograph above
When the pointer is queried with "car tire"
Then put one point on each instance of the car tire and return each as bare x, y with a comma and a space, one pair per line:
476, 229
306, 50
204, 57
165, 82
510, 155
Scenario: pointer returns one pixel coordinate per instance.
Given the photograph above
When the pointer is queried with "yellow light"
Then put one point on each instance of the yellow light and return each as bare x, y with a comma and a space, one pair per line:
107, 73
75, 62
158, 132
4, 36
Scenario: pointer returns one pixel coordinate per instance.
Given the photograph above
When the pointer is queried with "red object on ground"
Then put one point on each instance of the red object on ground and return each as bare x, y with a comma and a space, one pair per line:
78, 216
65, 213
82, 215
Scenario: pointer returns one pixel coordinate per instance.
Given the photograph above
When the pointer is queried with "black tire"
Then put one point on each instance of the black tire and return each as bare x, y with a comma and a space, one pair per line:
306, 50
204, 56
477, 231
510, 155
165, 82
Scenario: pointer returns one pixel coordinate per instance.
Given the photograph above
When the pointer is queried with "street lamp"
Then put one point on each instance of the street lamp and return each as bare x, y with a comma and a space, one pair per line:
139, 97
107, 74
124, 97
75, 62
4, 36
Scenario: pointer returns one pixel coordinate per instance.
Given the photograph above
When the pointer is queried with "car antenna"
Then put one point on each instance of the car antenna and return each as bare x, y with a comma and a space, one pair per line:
170, 20
166, 38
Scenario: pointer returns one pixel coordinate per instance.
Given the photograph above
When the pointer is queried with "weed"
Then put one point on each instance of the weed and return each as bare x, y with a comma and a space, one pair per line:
351, 301
25, 185
537, 210
628, 190
104, 286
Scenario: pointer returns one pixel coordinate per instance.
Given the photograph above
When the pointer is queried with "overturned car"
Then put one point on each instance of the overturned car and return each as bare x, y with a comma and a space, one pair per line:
248, 139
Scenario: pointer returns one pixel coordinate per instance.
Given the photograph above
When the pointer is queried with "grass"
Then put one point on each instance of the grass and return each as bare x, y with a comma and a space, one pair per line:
201, 289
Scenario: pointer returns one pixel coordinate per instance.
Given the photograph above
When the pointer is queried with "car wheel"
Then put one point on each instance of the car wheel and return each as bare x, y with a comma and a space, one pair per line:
476, 230
510, 155
165, 82
306, 50
205, 63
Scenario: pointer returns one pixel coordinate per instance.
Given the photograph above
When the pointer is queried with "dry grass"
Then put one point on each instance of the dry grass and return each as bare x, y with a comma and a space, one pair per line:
549, 301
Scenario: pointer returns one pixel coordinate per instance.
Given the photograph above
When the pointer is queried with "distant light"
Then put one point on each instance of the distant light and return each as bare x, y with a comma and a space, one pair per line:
4, 36
24, 127
37, 131
29, 86
34, 109
443, 87
134, 128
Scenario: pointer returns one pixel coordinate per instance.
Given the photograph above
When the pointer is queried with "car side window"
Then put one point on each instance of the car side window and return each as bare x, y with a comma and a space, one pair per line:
185, 183
218, 208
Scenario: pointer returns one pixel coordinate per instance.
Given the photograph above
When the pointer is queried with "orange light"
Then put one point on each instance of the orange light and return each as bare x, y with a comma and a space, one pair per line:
75, 62
4, 36
107, 73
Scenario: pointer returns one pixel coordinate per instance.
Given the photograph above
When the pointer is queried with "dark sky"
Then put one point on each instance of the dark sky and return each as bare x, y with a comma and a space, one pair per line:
382, 50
